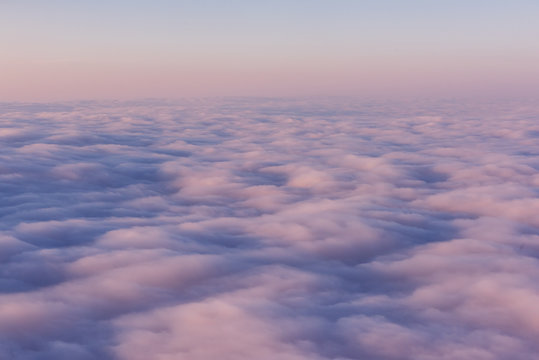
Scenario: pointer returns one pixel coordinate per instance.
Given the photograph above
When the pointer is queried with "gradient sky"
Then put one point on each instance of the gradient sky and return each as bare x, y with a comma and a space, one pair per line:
63, 50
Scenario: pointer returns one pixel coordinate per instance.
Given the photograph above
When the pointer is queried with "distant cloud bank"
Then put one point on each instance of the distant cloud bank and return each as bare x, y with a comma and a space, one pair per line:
269, 229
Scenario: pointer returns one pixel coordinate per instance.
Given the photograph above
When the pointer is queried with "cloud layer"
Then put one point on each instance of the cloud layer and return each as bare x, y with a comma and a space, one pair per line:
269, 229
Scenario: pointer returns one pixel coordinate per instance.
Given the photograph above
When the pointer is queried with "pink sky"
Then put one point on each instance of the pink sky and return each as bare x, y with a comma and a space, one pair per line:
124, 50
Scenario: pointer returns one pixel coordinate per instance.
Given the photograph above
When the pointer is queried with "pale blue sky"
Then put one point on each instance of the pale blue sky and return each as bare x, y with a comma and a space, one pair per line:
224, 37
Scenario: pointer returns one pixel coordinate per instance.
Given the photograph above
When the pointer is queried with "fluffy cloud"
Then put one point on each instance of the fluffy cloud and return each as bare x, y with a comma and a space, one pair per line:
252, 228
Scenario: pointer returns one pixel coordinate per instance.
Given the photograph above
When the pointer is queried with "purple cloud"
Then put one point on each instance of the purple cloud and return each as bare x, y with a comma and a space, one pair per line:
269, 229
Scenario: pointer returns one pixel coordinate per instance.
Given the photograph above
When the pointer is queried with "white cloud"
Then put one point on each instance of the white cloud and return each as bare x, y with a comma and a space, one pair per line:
264, 229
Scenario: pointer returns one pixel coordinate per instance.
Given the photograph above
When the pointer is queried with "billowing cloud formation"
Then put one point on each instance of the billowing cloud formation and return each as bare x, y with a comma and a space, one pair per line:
269, 229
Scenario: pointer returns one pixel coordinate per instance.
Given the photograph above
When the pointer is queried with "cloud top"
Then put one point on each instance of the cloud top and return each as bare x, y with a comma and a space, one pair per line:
260, 228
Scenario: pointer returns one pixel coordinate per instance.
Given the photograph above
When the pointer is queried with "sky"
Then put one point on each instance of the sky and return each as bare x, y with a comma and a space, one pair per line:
65, 50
